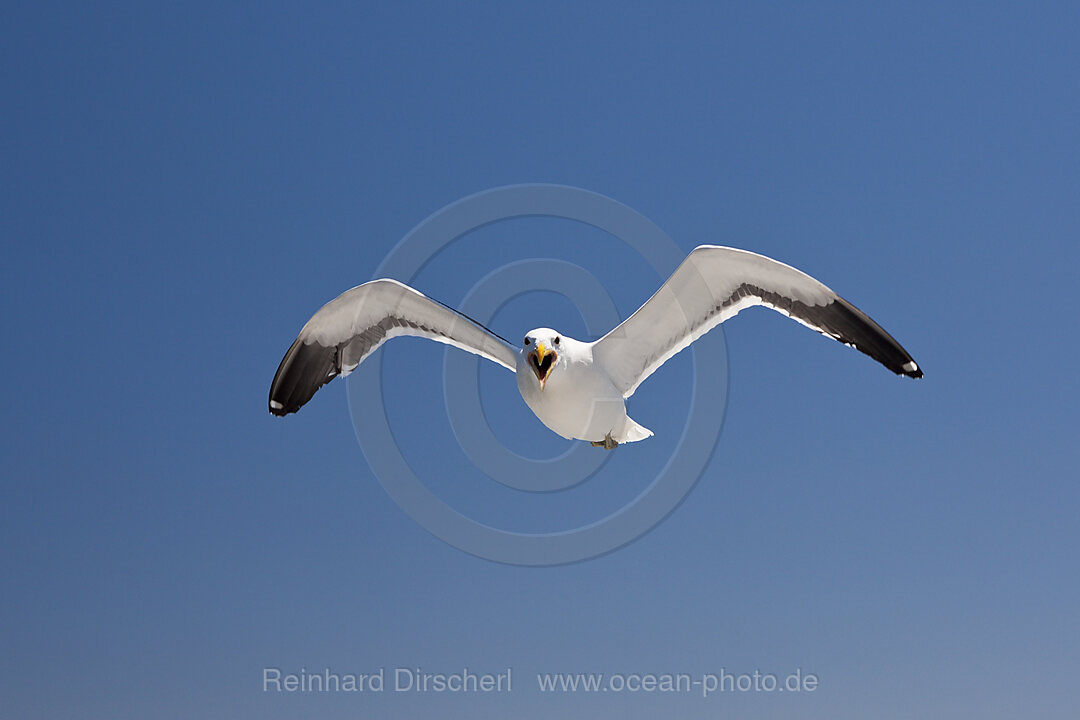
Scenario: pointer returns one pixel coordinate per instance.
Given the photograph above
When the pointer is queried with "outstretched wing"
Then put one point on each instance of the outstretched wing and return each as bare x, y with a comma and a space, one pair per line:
350, 327
714, 284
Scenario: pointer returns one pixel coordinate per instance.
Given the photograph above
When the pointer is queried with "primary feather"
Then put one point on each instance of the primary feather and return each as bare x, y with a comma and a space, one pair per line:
350, 327
714, 284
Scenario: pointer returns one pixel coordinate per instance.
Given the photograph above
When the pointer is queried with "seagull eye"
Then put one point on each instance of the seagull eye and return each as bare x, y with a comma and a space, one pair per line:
557, 338
527, 341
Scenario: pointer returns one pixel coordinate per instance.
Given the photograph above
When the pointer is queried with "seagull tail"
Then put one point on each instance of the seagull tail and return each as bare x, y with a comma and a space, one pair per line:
632, 432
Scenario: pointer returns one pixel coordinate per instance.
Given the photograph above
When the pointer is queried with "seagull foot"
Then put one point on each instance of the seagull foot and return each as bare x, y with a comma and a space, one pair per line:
608, 443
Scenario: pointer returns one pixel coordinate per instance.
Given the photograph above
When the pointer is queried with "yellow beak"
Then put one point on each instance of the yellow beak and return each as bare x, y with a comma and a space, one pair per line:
541, 352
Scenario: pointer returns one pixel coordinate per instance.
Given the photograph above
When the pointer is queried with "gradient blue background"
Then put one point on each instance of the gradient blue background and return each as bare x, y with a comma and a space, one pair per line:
184, 185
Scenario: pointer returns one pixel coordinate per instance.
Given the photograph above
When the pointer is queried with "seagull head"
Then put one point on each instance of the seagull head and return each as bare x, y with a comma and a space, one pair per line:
541, 350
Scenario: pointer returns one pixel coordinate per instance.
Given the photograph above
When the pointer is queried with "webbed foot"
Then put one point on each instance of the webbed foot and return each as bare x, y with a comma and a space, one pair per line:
608, 443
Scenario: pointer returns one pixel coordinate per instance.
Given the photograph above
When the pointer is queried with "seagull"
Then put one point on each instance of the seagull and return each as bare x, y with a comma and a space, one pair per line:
579, 389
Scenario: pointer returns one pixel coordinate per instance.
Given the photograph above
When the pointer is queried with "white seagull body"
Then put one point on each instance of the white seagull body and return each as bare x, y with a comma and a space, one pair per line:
575, 397
579, 389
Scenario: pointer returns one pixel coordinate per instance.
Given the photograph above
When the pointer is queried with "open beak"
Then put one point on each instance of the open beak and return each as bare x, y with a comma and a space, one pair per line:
542, 360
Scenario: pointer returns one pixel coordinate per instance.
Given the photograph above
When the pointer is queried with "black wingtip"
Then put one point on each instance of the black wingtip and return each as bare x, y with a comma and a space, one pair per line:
911, 370
854, 327
278, 409
305, 368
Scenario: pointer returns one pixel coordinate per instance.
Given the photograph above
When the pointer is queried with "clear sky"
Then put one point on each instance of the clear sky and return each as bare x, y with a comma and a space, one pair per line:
184, 184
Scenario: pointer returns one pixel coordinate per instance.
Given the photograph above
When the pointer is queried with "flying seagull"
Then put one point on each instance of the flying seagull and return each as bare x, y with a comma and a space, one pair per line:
579, 389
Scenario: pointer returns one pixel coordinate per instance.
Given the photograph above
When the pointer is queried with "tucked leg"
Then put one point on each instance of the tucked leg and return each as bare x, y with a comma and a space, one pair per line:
608, 443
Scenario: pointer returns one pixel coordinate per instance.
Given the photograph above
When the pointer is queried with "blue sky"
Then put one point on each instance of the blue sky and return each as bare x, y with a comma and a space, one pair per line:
184, 185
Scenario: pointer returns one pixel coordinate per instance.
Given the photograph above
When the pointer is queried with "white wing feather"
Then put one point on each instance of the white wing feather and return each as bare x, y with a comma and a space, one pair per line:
714, 284
349, 328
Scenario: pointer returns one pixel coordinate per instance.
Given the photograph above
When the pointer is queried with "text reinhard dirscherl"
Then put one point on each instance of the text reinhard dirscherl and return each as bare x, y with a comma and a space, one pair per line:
417, 680
401, 679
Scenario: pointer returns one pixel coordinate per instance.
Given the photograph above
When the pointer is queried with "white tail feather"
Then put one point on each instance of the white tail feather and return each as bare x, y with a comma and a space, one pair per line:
632, 432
